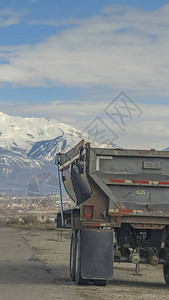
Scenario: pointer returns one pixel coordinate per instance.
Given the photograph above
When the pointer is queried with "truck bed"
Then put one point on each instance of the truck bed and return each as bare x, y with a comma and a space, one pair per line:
131, 179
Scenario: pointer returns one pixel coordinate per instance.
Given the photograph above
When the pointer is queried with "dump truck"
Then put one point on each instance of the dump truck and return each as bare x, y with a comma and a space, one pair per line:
120, 212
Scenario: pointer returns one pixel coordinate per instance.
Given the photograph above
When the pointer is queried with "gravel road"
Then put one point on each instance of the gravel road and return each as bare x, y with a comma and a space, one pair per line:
55, 253
22, 275
34, 264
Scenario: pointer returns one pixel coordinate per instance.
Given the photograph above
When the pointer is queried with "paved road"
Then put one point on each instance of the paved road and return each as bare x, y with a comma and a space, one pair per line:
22, 276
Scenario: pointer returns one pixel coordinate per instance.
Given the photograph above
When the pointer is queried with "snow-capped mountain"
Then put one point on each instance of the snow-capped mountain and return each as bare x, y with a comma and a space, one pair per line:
26, 135
28, 146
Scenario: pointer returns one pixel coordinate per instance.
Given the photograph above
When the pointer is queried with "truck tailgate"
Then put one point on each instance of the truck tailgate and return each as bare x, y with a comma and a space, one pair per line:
137, 179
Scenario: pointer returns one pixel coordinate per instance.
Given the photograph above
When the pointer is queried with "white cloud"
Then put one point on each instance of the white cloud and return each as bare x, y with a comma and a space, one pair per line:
122, 48
9, 17
150, 130
54, 22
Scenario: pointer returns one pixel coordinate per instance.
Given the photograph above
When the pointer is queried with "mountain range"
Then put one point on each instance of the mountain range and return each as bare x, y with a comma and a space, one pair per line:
27, 150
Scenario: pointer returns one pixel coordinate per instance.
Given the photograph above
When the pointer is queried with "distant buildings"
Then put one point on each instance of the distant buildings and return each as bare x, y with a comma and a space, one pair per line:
42, 206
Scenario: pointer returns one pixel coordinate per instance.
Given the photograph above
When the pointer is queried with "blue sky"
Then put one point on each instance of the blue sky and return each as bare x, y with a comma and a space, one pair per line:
35, 21
72, 51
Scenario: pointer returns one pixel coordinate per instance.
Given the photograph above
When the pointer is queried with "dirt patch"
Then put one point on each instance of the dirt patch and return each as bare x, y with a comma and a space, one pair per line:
54, 252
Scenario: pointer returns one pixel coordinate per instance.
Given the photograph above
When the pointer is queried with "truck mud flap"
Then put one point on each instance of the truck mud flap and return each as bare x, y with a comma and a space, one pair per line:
97, 255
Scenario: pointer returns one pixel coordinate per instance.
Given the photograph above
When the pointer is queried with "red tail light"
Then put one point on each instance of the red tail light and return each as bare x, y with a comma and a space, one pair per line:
88, 212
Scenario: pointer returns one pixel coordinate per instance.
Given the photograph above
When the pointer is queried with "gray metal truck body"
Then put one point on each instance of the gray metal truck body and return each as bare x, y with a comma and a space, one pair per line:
121, 210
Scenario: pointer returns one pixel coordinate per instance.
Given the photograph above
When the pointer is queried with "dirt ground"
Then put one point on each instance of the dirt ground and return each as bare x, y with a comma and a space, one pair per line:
54, 252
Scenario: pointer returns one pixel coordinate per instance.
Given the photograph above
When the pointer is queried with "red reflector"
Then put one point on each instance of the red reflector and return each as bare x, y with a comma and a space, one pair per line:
88, 212
126, 210
88, 216
141, 181
117, 180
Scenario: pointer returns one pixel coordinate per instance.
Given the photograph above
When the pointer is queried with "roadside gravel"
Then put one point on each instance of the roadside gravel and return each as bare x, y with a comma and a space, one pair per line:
55, 253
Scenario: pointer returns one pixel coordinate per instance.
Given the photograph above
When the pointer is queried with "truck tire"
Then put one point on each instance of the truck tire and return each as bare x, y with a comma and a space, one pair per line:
73, 255
166, 273
100, 282
79, 280
166, 267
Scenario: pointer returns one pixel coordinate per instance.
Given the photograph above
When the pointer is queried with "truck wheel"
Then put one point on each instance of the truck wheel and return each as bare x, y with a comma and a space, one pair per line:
73, 255
166, 267
166, 273
79, 280
100, 282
